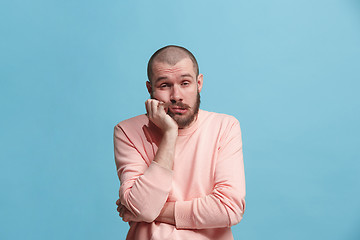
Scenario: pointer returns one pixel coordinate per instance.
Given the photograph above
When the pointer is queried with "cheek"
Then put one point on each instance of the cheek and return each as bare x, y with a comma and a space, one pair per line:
192, 96
161, 96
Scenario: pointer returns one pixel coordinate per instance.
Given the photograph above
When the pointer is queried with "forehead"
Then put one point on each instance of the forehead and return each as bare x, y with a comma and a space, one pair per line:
185, 65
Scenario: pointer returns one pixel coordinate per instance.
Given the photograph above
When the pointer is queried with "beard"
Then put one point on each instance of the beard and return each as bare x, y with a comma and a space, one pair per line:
184, 121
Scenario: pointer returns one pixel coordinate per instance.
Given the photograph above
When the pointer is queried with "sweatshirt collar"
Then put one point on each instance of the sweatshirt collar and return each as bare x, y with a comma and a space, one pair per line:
193, 127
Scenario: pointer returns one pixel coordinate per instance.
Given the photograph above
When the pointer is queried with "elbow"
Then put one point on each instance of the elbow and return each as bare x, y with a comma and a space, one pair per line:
141, 212
238, 213
238, 217
233, 202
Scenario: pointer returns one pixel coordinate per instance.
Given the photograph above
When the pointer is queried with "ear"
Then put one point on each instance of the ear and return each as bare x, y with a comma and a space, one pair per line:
149, 87
199, 81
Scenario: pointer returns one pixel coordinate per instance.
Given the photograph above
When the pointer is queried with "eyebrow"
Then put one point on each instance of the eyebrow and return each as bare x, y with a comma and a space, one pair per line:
160, 78
164, 78
186, 75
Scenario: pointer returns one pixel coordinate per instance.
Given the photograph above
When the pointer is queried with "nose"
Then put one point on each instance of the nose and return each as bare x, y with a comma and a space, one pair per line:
175, 94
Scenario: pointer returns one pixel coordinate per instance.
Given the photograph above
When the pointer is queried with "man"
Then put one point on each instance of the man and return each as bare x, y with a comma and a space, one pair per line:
181, 168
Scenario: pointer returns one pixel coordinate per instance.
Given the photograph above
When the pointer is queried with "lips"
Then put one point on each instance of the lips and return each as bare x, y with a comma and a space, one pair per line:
178, 110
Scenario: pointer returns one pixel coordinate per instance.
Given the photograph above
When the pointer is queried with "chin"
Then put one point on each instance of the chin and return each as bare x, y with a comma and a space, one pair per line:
184, 121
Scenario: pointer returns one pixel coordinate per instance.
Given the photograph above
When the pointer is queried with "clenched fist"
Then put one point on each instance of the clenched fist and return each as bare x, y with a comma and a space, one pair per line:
156, 112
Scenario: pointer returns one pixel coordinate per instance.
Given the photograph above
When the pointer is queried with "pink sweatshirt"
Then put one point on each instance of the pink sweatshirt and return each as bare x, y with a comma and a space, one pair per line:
207, 183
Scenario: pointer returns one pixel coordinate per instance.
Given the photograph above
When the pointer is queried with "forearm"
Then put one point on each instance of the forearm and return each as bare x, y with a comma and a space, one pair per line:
167, 214
165, 153
146, 195
210, 211
199, 213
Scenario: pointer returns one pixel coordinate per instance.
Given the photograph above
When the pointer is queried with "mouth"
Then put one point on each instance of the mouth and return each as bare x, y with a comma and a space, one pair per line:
178, 110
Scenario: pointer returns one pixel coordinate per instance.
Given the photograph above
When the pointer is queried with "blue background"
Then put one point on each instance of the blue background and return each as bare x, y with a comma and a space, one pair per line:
288, 70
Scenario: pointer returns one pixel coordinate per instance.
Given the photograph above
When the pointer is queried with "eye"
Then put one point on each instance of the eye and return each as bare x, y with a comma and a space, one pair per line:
164, 85
185, 83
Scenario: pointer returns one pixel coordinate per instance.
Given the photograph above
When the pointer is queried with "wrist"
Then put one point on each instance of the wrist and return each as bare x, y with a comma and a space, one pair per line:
167, 214
171, 133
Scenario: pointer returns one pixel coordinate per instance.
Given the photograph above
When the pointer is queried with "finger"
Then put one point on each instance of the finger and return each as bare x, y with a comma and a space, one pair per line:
118, 202
121, 211
163, 107
166, 105
150, 111
147, 102
127, 216
154, 107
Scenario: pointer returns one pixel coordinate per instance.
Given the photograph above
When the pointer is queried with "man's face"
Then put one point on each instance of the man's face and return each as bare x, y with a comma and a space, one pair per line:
178, 86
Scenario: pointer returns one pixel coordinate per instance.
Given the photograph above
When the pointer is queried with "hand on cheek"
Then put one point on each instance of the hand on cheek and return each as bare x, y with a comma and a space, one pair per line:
157, 113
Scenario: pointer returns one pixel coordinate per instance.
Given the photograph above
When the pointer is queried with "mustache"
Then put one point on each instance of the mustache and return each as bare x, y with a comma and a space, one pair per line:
177, 104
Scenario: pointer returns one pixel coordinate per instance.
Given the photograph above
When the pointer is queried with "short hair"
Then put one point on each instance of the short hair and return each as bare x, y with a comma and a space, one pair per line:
171, 55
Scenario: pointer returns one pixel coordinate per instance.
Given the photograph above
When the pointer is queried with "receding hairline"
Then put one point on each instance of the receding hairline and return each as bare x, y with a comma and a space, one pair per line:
171, 55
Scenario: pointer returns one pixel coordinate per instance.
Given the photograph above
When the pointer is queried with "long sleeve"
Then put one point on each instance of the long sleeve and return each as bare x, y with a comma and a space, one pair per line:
145, 185
225, 206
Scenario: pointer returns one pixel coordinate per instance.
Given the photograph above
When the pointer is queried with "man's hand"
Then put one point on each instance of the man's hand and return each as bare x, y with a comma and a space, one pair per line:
125, 214
167, 214
156, 112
